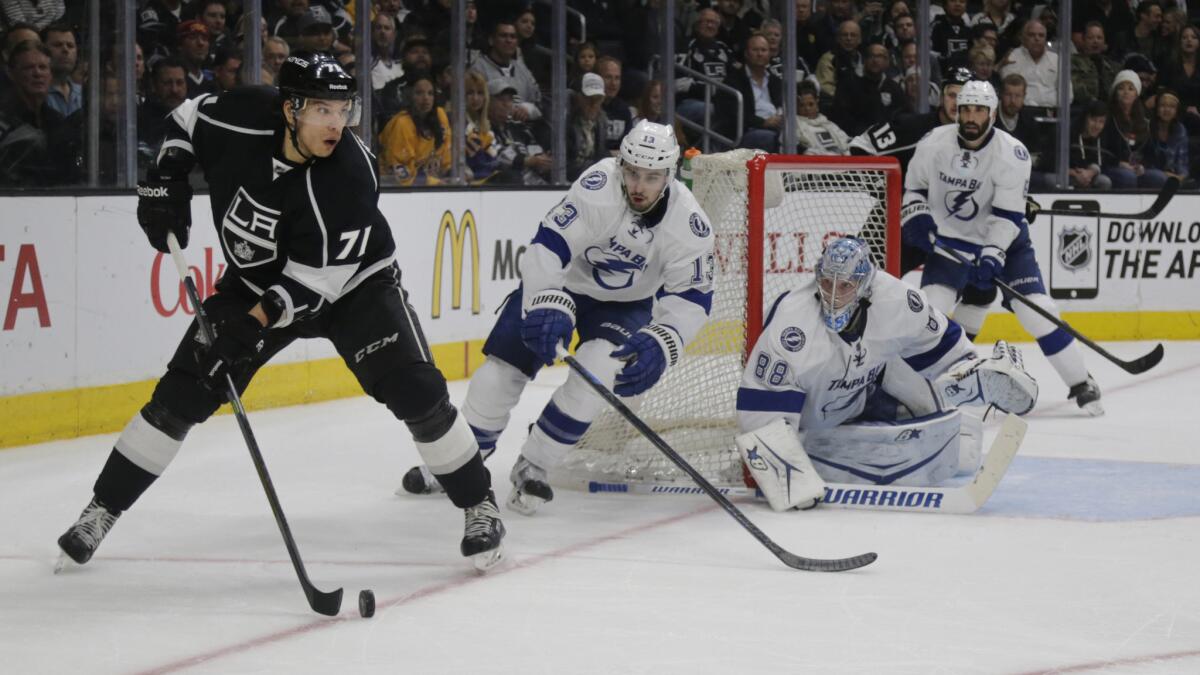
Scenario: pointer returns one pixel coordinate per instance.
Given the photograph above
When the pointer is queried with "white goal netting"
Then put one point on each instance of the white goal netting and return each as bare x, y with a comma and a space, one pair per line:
805, 202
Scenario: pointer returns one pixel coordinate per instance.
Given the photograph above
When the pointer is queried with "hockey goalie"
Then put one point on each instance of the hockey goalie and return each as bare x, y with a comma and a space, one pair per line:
857, 378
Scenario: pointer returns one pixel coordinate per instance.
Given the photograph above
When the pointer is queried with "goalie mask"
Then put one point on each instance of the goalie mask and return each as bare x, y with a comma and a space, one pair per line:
976, 93
844, 274
649, 153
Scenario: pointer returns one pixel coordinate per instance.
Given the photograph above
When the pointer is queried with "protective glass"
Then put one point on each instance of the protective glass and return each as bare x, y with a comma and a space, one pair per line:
330, 113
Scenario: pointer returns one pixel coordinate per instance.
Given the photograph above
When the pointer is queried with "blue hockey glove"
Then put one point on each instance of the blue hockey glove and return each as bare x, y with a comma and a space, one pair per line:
918, 227
549, 321
988, 266
647, 355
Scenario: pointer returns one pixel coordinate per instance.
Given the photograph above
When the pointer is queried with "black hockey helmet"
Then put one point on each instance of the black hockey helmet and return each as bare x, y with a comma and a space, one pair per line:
957, 75
307, 74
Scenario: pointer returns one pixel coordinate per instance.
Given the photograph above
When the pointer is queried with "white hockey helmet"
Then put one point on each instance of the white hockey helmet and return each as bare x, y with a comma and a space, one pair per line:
979, 92
650, 146
847, 259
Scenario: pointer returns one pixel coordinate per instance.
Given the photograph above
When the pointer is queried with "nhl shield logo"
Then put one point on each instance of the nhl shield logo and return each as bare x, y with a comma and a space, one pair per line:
1074, 247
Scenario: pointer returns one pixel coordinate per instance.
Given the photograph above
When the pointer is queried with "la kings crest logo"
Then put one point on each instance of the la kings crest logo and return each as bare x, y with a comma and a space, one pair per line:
248, 231
1074, 247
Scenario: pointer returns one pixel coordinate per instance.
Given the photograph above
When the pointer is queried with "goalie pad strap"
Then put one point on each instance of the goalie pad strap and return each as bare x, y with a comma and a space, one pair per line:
777, 461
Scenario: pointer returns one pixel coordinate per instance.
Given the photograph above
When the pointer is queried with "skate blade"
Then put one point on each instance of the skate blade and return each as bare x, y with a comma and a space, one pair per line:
62, 562
488, 559
1093, 409
524, 504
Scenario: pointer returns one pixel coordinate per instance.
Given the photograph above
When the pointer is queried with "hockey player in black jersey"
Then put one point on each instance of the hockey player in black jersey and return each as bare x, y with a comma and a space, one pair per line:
294, 196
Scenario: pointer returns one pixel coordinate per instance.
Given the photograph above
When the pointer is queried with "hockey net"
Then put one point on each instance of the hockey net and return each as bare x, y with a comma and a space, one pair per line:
771, 216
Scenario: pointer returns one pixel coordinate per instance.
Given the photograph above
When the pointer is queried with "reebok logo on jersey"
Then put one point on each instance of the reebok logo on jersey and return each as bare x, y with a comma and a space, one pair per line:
153, 192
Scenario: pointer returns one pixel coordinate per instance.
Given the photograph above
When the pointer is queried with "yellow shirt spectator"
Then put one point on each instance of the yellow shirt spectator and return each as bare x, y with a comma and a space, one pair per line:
411, 157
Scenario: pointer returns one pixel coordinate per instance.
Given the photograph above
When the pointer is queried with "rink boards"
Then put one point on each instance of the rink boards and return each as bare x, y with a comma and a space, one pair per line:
92, 313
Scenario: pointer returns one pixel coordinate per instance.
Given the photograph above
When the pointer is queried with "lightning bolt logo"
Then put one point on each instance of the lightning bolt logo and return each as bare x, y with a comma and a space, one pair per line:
961, 204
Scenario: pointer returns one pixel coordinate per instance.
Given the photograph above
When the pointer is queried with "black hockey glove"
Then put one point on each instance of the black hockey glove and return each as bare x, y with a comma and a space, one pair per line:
164, 205
239, 340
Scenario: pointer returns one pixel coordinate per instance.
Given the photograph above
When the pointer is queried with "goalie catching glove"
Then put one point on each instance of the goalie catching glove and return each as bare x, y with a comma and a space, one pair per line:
1000, 381
782, 469
647, 355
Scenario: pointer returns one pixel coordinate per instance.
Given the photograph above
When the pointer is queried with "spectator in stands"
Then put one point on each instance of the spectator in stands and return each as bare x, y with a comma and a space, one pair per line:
226, 67
535, 56
762, 98
1182, 74
1145, 39
950, 33
158, 23
996, 12
315, 33
811, 41
416, 55
1089, 157
1147, 73
66, 95
415, 144
478, 141
872, 21
844, 60
284, 21
1167, 148
263, 35
902, 31
36, 145
585, 62
1092, 72
773, 31
275, 52
871, 98
193, 51
707, 55
34, 13
521, 157
1127, 126
587, 141
836, 13
1114, 15
618, 114
213, 14
385, 67
982, 62
1174, 19
168, 89
18, 34
815, 132
1037, 65
501, 61
735, 28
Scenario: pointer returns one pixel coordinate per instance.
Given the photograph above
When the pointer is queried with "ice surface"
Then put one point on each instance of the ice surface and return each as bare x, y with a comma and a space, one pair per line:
1084, 561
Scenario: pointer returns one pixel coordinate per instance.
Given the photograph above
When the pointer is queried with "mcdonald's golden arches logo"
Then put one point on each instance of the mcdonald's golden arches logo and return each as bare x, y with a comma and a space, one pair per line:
457, 233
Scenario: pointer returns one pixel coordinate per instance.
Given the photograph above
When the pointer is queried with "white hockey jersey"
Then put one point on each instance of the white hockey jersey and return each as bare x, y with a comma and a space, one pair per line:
974, 196
593, 244
812, 377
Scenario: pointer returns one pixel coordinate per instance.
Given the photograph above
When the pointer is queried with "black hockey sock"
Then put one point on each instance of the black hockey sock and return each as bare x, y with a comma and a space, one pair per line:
121, 482
468, 484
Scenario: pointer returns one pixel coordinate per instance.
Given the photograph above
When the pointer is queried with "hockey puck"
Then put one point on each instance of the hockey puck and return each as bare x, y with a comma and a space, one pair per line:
366, 603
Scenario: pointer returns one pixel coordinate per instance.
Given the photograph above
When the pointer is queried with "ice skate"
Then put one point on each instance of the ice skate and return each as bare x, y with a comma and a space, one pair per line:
80, 540
530, 488
420, 481
1087, 395
482, 534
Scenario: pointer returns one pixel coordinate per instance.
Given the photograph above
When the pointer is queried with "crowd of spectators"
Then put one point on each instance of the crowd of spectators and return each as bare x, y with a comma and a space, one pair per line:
1133, 111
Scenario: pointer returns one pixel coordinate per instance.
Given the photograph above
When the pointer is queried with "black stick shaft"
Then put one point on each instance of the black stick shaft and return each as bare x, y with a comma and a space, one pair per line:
788, 558
321, 602
1139, 365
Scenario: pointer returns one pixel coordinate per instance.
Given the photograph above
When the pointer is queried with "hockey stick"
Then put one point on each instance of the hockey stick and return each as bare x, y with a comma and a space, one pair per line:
1164, 196
1135, 367
959, 499
790, 559
321, 602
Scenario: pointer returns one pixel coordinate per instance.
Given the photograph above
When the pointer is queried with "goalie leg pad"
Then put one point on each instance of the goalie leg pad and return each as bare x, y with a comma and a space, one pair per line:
780, 466
919, 452
1000, 381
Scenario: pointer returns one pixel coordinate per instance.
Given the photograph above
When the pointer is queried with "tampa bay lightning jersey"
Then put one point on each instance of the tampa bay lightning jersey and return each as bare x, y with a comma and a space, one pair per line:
814, 378
976, 196
591, 243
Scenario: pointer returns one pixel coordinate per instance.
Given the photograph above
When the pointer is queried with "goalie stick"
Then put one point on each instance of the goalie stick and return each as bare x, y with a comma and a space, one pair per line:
1134, 367
1165, 194
786, 557
958, 499
321, 602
